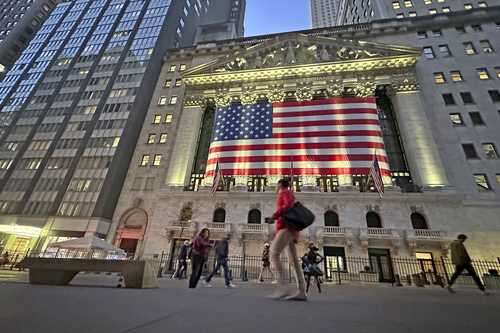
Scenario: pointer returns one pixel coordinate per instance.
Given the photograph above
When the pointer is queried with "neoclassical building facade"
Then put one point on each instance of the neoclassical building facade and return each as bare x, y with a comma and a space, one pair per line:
430, 197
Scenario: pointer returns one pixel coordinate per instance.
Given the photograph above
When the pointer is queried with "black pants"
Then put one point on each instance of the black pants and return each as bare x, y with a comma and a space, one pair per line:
308, 282
197, 263
472, 272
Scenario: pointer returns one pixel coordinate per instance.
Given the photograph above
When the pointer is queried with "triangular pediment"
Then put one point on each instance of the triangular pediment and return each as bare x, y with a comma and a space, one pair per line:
299, 49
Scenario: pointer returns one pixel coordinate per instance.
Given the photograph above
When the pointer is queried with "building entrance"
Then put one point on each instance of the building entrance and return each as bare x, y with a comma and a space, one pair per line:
381, 263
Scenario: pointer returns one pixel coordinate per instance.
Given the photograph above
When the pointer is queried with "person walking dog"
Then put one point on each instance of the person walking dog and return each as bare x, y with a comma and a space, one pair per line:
199, 254
462, 261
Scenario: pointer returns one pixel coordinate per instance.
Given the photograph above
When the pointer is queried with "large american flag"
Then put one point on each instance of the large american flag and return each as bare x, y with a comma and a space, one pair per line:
337, 136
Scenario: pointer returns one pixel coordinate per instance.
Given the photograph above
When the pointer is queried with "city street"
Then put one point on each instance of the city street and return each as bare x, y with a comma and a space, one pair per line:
174, 308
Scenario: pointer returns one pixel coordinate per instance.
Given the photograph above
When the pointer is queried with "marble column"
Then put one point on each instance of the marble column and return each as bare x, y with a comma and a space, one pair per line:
421, 150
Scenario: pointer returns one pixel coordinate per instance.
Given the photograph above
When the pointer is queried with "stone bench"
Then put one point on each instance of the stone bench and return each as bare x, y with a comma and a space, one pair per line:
60, 271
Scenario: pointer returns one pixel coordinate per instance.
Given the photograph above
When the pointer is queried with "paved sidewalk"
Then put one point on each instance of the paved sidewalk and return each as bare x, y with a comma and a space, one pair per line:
174, 308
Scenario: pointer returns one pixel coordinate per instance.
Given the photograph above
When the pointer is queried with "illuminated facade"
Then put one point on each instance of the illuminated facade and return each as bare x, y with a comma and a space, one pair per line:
71, 108
436, 189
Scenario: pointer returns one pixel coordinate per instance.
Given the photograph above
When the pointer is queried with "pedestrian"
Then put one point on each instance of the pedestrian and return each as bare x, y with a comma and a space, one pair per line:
181, 268
199, 254
5, 258
266, 263
285, 238
222, 255
460, 258
310, 262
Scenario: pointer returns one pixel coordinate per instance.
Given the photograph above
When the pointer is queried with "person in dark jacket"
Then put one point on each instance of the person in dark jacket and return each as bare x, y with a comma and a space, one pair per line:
199, 254
310, 262
222, 254
181, 268
460, 258
266, 263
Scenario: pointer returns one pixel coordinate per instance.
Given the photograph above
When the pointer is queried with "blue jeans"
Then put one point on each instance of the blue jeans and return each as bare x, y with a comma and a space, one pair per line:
221, 261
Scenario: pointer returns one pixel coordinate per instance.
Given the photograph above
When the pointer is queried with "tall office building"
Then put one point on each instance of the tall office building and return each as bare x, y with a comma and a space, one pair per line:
324, 13
354, 11
225, 21
72, 107
19, 20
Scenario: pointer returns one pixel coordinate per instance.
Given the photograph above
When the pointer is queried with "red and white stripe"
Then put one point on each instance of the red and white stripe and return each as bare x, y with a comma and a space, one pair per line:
336, 136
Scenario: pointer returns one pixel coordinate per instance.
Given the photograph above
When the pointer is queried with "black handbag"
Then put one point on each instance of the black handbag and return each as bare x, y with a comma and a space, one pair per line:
298, 217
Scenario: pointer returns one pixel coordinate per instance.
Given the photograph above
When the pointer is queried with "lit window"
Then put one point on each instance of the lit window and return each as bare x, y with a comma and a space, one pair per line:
448, 99
481, 181
151, 139
116, 142
396, 5
145, 160
482, 4
483, 73
427, 2
456, 76
470, 151
433, 11
446, 9
157, 160
497, 176
412, 14
178, 82
469, 48
440, 1
173, 100
436, 33
172, 68
168, 118
428, 52
162, 100
476, 118
490, 151
182, 67
467, 98
468, 6
439, 78
456, 119
486, 46
398, 16
157, 119
497, 71
168, 84
163, 138
444, 50
408, 3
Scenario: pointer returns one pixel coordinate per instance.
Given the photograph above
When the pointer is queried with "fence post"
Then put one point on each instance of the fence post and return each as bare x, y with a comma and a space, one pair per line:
338, 271
159, 266
445, 270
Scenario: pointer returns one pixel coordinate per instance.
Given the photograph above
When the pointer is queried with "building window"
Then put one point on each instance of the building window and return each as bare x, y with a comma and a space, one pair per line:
469, 48
456, 76
439, 78
162, 100
483, 73
467, 98
486, 46
219, 215
168, 84
373, 220
151, 139
428, 2
412, 14
490, 151
157, 160
178, 82
433, 11
494, 95
476, 118
448, 99
470, 151
429, 52
422, 34
172, 68
173, 100
497, 72
476, 28
446, 9
460, 29
482, 4
254, 216
497, 176
168, 119
456, 119
481, 181
444, 50
331, 219
436, 33
398, 16
163, 138
408, 3
418, 221
182, 67
157, 119
468, 6
145, 160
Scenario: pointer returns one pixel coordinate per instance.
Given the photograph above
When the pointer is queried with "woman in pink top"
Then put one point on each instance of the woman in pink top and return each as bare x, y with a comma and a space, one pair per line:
286, 237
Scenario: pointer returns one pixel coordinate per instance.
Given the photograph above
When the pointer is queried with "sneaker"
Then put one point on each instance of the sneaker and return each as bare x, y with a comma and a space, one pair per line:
206, 284
230, 286
450, 289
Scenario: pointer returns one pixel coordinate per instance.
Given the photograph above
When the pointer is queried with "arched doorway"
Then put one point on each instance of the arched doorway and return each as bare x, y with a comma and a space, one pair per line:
219, 215
254, 216
131, 231
418, 221
331, 219
373, 220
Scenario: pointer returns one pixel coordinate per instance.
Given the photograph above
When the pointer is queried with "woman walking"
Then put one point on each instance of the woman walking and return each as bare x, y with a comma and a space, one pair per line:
285, 238
266, 263
310, 261
199, 255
